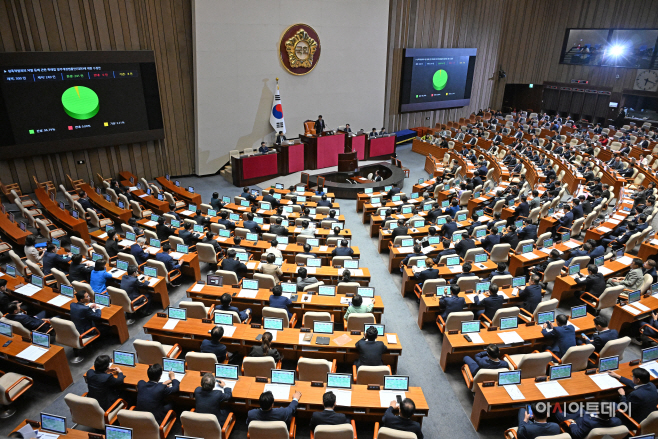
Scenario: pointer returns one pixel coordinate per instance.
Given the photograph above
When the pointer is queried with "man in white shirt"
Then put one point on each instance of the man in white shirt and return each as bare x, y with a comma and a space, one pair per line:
306, 230
275, 251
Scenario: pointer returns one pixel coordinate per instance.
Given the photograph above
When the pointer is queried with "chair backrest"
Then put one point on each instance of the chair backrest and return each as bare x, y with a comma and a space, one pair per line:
532, 365
500, 253
120, 297
130, 259
347, 287
34, 268
502, 280
313, 316
160, 267
341, 431
632, 242
84, 250
470, 254
18, 263
143, 424
268, 311
484, 375
356, 320
206, 253
646, 283
85, 411
67, 334
60, 277
230, 278
455, 319
195, 310
520, 245
398, 239
650, 423
467, 282
429, 286
312, 369
265, 280
148, 351
258, 366
577, 356
512, 311
16, 327
372, 374
268, 429
201, 361
609, 296
201, 425
612, 432
390, 433
553, 271
615, 347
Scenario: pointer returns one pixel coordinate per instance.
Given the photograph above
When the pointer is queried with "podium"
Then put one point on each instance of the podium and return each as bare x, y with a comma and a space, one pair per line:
347, 161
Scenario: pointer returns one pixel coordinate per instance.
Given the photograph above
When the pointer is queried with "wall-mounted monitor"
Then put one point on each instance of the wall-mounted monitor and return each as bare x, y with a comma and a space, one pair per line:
434, 79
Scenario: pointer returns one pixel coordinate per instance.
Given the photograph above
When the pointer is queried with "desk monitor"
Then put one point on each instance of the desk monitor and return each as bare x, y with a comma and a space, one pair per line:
172, 364
214, 280
366, 292
224, 233
320, 327
469, 327
177, 313
61, 205
280, 376
609, 363
226, 371
518, 224
407, 243
396, 198
406, 209
339, 381
433, 240
130, 236
442, 291
414, 195
599, 261
301, 198
96, 257
482, 286
41, 339
387, 188
351, 264
192, 208
234, 217
511, 203
548, 243
313, 242
182, 248
56, 242
11, 270
258, 220
37, 281
566, 237
155, 217
190, 189
102, 299
461, 217
114, 432
5, 329
122, 265
456, 237
396, 382
573, 269
654, 288
251, 237
123, 358
518, 282
56, 424
340, 225
212, 213
646, 436
649, 354
75, 214
242, 256
22, 226
527, 248
326, 290
578, 311
509, 323
67, 290
445, 203
427, 207
543, 317
481, 258
155, 243
479, 213
223, 318
313, 262
160, 197
277, 196
634, 296
379, 327
480, 233
452, 261
446, 187
368, 190
244, 203
108, 229
509, 378
300, 188
420, 263
272, 323
500, 229
249, 284
441, 221
75, 249
559, 372
151, 271
197, 228
375, 200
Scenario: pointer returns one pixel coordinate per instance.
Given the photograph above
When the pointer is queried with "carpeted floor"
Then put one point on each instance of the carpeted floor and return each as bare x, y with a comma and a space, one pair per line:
449, 400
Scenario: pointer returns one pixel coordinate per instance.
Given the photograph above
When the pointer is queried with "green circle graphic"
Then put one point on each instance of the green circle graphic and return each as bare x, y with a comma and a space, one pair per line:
80, 102
440, 79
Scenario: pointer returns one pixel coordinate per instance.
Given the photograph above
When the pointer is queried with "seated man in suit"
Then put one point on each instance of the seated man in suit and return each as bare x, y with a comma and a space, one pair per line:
247, 195
278, 229
111, 245
151, 395
328, 416
269, 198
583, 425
84, 313
649, 268
263, 148
452, 303
223, 220
267, 413
278, 300
510, 237
52, 260
214, 345
528, 231
642, 399
102, 385
303, 280
252, 225
501, 270
280, 138
78, 271
466, 272
131, 285
225, 305
165, 257
487, 359
429, 273
491, 239
230, 263
453, 209
564, 335
343, 250
162, 230
417, 251
208, 400
370, 349
400, 230
449, 228
602, 335
137, 250
536, 425
216, 202
594, 282
188, 237
36, 323
492, 302
531, 294
465, 244
587, 248
446, 252
403, 422
325, 202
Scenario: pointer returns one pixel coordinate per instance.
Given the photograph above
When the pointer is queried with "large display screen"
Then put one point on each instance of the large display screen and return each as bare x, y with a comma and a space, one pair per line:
62, 101
436, 78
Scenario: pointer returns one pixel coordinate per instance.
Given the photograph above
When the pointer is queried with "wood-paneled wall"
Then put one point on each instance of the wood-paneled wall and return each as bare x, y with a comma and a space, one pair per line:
533, 34
164, 26
442, 24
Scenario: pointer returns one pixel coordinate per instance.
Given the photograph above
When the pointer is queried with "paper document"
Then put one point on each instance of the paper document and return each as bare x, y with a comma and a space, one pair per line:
249, 294
151, 223
42, 435
32, 353
618, 217
576, 328
391, 339
471, 297
125, 243
153, 281
654, 242
28, 290
604, 270
551, 389
343, 397
59, 300
27, 431
152, 250
165, 376
252, 265
514, 392
102, 235
227, 383
118, 273
197, 288
481, 199
476, 338
282, 247
386, 396
631, 309
605, 381
604, 229
510, 337
187, 213
301, 338
405, 250
571, 244
641, 307
455, 269
651, 367
229, 330
143, 195
530, 255
613, 221
176, 255
171, 324
546, 250
324, 248
624, 260
280, 391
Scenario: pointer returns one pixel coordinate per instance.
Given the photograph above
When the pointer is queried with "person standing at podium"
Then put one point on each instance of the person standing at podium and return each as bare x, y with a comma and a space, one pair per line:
319, 125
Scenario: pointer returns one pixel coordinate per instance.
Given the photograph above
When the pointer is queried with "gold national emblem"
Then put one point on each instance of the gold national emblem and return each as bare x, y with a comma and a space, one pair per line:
299, 49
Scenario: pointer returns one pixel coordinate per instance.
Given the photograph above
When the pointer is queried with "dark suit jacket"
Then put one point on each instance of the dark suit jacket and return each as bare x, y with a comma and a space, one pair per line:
451, 304
216, 203
564, 336
187, 237
167, 260
428, 274
104, 387
235, 266
531, 296
370, 352
448, 229
642, 399
491, 304
151, 397
131, 285
79, 272
327, 417
399, 231
83, 317
527, 232
512, 239
342, 251
463, 246
252, 226
594, 283
30, 323
489, 242
583, 425
50, 260
112, 248
163, 231
278, 414
279, 230
319, 127
208, 347
140, 255
270, 199
209, 402
532, 430
599, 339
257, 351
390, 420
280, 302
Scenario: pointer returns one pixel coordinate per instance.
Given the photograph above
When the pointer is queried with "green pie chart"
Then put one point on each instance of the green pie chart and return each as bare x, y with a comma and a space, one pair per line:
440, 79
80, 102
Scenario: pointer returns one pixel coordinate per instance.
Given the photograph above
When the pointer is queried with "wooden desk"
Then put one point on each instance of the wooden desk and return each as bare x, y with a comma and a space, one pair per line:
149, 201
179, 192
364, 198
71, 433
112, 316
519, 263
597, 233
621, 318
110, 210
12, 229
210, 295
409, 281
191, 332
53, 363
647, 248
63, 218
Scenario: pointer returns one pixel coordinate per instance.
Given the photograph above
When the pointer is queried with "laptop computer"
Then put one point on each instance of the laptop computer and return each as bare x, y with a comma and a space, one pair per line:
123, 358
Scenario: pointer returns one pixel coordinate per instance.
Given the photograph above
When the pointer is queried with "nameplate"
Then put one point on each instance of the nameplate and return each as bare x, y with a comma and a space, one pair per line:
255, 325
453, 331
305, 330
236, 286
201, 282
430, 294
492, 328
533, 323
317, 384
634, 362
162, 314
338, 266
349, 294
261, 379
468, 292
506, 286
373, 387
206, 321
541, 379
355, 332
34, 424
27, 339
488, 383
95, 436
590, 371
